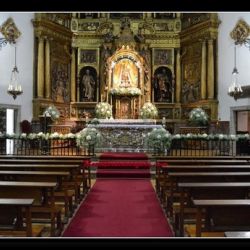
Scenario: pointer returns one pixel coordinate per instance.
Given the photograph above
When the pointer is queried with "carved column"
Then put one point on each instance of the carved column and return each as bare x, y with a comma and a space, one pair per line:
73, 75
203, 70
47, 70
40, 68
210, 78
178, 76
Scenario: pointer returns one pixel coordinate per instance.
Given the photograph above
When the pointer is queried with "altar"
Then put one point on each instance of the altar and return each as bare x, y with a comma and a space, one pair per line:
124, 135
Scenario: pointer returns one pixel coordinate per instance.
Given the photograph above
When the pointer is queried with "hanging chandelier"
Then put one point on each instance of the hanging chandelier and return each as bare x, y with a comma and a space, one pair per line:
235, 89
15, 88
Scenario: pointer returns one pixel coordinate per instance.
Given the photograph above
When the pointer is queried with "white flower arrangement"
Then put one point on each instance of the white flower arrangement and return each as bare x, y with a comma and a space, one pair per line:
52, 112
103, 110
125, 91
198, 117
87, 137
159, 138
148, 111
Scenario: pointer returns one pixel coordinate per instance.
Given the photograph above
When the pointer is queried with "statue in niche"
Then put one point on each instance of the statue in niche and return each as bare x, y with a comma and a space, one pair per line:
162, 86
125, 77
88, 85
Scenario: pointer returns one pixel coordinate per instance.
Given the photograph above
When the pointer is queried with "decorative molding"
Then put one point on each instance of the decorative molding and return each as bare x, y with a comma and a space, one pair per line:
240, 32
10, 32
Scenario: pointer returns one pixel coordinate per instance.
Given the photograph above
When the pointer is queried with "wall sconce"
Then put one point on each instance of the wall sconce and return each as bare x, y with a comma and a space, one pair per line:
240, 35
11, 34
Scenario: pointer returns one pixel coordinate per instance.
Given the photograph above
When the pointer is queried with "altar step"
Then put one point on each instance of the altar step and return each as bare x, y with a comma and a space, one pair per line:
116, 173
121, 164
123, 156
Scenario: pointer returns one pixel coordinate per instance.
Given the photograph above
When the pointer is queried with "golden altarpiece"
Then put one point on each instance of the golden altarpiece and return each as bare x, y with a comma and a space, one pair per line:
126, 59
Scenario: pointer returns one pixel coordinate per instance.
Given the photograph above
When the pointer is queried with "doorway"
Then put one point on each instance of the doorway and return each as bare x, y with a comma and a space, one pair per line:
9, 121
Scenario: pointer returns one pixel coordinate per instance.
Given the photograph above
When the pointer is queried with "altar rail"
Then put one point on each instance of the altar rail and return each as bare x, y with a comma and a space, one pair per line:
65, 147
179, 147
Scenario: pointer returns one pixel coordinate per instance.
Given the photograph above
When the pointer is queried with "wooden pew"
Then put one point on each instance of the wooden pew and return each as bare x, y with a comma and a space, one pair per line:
205, 162
178, 177
44, 199
44, 176
76, 178
19, 230
220, 190
240, 234
163, 182
83, 171
236, 211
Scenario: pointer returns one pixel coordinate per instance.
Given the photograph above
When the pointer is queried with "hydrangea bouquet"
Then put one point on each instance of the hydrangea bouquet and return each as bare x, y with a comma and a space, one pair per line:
88, 137
103, 110
125, 91
159, 139
52, 112
148, 111
198, 117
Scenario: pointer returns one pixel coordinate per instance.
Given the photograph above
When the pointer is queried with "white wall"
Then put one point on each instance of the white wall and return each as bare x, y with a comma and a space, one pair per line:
25, 51
226, 63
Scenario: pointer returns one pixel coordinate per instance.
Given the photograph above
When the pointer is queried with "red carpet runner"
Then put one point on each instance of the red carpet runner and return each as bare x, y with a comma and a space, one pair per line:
120, 208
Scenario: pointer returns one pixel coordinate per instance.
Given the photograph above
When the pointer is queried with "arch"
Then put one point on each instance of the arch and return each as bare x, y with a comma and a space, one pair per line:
125, 69
162, 85
88, 84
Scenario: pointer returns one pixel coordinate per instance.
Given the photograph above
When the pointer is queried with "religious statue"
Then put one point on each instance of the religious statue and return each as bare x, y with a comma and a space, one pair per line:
125, 78
88, 85
162, 86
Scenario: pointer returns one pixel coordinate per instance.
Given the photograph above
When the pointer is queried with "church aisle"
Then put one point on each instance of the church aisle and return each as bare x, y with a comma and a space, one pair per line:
120, 208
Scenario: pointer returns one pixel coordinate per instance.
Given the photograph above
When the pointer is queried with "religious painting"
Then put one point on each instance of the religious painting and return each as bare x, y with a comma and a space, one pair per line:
88, 56
163, 56
162, 85
125, 74
191, 81
60, 78
125, 108
88, 84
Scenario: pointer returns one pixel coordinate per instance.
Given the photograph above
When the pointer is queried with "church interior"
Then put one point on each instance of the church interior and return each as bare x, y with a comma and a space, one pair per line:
134, 124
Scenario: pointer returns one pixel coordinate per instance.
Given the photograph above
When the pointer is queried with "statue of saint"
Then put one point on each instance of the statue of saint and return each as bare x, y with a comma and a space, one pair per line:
163, 87
88, 85
125, 78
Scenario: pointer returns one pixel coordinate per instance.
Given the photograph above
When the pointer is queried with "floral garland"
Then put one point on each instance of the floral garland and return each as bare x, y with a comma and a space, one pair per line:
156, 132
148, 111
52, 112
198, 117
159, 138
87, 137
215, 137
125, 91
103, 110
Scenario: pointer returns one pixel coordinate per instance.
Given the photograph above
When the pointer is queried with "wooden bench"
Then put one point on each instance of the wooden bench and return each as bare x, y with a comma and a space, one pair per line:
19, 204
240, 234
236, 216
163, 181
44, 176
220, 190
205, 162
44, 200
178, 177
